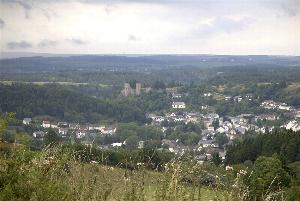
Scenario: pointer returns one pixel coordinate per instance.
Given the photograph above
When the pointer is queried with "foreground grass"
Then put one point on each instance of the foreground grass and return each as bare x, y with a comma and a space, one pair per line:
56, 175
120, 184
52, 175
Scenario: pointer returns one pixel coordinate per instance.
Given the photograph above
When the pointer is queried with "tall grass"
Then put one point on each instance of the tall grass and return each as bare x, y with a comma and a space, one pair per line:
54, 174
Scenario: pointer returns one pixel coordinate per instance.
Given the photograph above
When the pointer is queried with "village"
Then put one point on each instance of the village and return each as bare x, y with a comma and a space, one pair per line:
212, 125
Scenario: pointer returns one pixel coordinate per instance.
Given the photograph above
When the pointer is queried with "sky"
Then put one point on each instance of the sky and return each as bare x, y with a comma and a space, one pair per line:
240, 27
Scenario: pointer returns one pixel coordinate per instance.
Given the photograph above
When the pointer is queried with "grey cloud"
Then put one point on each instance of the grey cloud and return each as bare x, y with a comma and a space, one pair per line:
221, 26
76, 41
103, 2
18, 45
47, 43
26, 5
292, 9
132, 38
29, 5
2, 23
47, 14
109, 8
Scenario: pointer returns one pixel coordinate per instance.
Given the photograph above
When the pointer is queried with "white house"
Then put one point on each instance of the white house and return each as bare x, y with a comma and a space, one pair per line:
180, 105
54, 125
46, 124
96, 127
27, 121
109, 130
284, 107
210, 128
176, 95
63, 131
238, 98
117, 144
249, 97
207, 94
203, 107
228, 98
293, 125
80, 134
221, 130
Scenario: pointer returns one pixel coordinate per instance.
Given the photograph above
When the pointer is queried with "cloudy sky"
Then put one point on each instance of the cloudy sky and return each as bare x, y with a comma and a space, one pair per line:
151, 26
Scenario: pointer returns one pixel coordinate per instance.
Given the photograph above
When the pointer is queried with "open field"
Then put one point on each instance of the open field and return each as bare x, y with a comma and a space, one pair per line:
8, 82
293, 87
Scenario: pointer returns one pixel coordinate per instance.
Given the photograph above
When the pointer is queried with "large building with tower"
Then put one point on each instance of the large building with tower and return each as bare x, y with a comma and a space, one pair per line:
127, 91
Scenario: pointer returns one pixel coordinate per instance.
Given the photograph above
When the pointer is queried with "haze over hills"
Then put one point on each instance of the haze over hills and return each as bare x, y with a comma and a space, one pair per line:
50, 63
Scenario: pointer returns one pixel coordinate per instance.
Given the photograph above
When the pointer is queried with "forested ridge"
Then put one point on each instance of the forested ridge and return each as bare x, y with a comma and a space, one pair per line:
29, 100
283, 143
66, 103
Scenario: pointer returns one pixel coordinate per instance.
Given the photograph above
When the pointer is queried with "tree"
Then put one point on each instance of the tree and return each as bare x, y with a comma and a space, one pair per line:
268, 176
9, 136
289, 151
216, 159
131, 142
159, 85
3, 125
221, 139
152, 144
51, 137
132, 83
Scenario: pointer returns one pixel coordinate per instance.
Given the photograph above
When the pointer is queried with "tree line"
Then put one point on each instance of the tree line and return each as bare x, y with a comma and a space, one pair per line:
281, 142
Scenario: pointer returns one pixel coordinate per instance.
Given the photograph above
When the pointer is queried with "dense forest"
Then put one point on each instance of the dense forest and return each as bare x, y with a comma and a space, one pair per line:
284, 143
29, 100
32, 100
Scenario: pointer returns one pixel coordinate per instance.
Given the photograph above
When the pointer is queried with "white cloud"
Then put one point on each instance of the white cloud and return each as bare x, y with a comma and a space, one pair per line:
126, 26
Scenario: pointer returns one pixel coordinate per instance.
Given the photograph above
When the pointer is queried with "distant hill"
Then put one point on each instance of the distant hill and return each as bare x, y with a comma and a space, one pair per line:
52, 63
13, 55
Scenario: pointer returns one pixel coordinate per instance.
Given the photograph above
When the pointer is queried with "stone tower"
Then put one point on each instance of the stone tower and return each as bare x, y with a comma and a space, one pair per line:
127, 89
138, 87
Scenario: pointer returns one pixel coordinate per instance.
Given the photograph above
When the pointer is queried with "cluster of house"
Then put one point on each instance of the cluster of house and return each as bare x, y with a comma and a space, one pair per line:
173, 117
178, 105
239, 98
176, 96
293, 125
204, 149
270, 104
232, 127
80, 130
213, 124
294, 119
